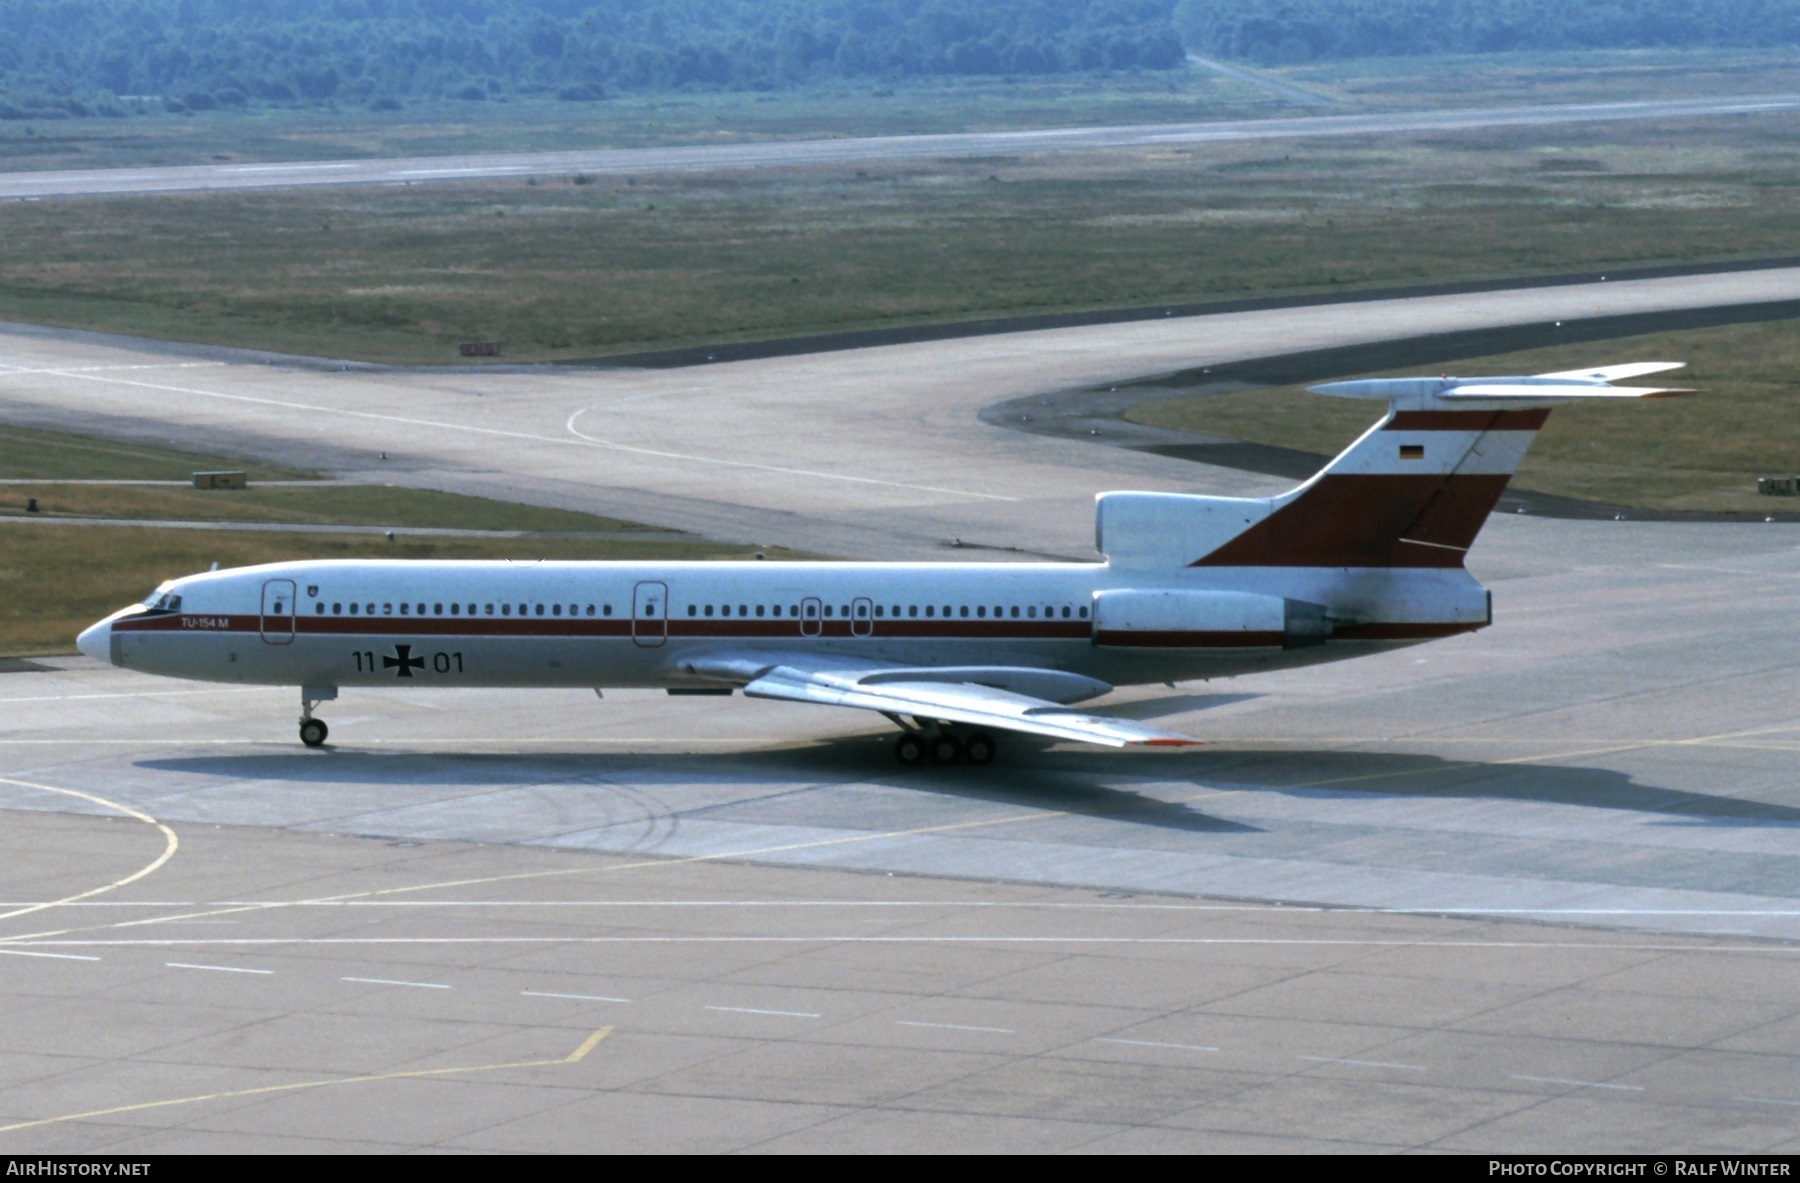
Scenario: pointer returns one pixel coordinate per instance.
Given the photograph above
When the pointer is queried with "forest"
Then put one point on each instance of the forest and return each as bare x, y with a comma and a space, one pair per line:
1292, 32
110, 57
71, 58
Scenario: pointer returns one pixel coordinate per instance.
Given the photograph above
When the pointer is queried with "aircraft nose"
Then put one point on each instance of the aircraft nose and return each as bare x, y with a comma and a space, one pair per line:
96, 641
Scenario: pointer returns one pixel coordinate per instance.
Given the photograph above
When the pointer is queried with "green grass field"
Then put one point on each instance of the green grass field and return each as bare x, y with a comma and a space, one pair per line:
1699, 453
28, 453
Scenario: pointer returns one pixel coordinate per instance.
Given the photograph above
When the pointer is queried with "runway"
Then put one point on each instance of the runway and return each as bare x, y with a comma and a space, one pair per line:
1533, 888
849, 150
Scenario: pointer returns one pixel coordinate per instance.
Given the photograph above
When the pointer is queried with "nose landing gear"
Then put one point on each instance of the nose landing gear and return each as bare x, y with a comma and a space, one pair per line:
313, 731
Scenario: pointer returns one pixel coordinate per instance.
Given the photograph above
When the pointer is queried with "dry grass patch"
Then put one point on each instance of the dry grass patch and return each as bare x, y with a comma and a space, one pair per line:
560, 270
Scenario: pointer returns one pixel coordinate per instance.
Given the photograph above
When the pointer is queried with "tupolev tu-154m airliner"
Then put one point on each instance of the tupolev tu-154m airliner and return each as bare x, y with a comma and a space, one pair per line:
1365, 556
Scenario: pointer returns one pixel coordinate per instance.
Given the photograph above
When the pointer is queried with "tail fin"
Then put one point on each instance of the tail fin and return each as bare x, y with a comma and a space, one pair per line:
1413, 491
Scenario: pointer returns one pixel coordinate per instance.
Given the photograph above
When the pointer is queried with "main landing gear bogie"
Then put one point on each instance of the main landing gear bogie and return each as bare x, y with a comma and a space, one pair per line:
944, 747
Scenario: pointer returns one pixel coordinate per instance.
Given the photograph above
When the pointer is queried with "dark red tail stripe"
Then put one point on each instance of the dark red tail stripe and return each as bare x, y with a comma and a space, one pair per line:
1374, 520
1467, 420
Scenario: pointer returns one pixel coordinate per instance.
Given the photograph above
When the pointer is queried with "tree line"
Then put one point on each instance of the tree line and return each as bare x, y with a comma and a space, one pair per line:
114, 56
1288, 32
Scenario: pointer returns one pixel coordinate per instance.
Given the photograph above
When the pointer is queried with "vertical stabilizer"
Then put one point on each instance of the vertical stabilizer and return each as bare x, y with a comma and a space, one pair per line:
1413, 491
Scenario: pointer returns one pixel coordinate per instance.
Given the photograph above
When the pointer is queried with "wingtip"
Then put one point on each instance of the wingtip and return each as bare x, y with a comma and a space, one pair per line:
1172, 742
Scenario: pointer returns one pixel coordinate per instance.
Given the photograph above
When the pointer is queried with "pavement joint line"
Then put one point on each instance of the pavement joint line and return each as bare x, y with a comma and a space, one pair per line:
751, 1010
579, 440
1373, 1064
575, 1057
1586, 1084
397, 982
1773, 947
1185, 1047
1768, 1101
579, 997
223, 969
170, 845
954, 1027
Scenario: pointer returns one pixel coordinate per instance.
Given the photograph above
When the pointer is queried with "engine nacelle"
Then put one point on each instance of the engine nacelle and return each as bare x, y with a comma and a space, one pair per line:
1166, 619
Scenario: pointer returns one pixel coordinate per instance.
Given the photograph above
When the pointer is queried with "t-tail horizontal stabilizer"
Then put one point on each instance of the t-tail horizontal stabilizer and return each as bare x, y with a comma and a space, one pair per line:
1539, 390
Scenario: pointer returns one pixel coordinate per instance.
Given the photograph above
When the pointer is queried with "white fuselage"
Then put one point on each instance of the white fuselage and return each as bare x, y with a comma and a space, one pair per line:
325, 625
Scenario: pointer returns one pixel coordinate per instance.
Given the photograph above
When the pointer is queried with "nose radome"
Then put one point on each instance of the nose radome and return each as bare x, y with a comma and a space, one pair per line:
96, 642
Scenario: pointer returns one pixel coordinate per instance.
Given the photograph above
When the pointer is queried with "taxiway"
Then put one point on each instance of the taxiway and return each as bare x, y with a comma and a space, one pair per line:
1533, 888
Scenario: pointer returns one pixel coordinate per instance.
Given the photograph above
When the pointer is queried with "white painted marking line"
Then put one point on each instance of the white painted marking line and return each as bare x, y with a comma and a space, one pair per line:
1768, 1101
580, 997
803, 472
1585, 1084
1367, 1063
58, 956
1182, 1047
223, 969
953, 1027
394, 982
749, 1010
133, 694
581, 439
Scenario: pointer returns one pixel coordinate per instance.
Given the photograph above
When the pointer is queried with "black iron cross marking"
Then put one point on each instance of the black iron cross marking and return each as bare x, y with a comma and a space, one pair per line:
405, 660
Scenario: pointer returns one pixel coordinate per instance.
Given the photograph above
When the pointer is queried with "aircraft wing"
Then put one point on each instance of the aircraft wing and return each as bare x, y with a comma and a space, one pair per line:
1546, 393
977, 696
1634, 369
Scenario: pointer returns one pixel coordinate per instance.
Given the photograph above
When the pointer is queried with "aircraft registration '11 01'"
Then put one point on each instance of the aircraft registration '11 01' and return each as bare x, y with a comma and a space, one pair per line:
1365, 556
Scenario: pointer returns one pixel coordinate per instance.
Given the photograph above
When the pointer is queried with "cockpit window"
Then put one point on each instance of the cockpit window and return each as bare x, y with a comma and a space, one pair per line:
162, 601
